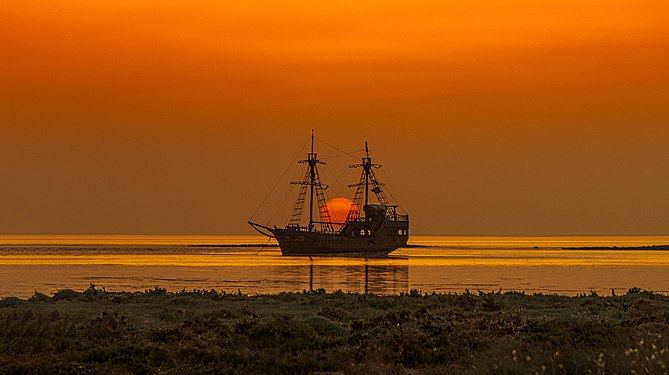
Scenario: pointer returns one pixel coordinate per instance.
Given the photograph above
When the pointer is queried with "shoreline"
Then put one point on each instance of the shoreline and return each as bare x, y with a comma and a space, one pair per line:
648, 247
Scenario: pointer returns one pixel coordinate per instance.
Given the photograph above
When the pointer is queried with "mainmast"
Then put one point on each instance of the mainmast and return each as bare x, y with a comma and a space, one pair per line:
368, 177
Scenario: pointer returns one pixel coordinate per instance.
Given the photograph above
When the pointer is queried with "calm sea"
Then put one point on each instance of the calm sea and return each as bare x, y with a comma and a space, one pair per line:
253, 265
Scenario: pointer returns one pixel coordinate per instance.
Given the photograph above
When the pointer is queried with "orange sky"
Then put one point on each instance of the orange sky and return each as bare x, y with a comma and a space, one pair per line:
492, 118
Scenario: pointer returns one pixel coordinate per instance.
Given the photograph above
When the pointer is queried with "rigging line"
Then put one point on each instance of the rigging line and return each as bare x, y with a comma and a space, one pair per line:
338, 149
345, 154
390, 187
282, 208
279, 180
284, 205
342, 187
263, 246
339, 185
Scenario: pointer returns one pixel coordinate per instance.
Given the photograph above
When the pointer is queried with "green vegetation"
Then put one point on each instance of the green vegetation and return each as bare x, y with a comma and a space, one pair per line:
316, 332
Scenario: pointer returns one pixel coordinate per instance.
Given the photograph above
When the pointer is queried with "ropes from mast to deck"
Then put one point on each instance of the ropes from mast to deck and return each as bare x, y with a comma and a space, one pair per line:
367, 178
319, 191
311, 180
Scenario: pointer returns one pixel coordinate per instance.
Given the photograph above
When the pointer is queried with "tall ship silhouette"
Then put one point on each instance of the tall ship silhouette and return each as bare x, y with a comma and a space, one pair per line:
376, 230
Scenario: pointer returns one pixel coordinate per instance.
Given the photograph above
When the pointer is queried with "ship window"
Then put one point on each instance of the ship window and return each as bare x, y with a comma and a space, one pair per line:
399, 232
369, 232
405, 232
362, 232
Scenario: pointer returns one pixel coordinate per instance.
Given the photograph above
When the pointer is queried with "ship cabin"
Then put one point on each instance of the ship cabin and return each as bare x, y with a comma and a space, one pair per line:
379, 219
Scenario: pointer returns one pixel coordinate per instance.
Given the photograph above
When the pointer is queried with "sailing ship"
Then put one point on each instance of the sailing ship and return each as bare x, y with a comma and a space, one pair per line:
376, 230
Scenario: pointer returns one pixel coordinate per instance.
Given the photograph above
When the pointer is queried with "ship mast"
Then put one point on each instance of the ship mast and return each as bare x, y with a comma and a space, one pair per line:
367, 165
312, 177
367, 178
317, 198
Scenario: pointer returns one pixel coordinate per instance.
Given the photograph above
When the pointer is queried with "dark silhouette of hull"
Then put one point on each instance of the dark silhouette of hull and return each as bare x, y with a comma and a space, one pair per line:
357, 238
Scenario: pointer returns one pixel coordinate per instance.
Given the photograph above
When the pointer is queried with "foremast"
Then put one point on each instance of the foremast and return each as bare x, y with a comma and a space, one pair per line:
311, 180
312, 160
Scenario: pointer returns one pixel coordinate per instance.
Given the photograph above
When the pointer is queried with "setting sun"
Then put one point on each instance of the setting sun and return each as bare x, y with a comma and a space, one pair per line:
338, 210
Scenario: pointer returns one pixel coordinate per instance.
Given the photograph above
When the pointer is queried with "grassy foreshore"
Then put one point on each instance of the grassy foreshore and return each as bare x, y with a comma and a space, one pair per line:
208, 332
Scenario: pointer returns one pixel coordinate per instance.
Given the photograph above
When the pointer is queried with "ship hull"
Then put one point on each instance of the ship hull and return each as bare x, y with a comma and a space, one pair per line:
295, 242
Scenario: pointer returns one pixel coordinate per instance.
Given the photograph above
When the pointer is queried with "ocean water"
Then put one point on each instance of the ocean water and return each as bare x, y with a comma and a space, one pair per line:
252, 264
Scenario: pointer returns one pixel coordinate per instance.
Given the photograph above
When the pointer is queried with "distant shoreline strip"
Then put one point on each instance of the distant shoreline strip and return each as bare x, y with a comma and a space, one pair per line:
410, 246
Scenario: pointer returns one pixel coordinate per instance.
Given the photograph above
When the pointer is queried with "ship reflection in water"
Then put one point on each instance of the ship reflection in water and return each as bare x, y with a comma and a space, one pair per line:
28, 269
376, 279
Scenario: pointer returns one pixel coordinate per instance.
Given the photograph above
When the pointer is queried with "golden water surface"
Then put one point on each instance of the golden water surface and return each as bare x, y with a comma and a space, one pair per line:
253, 265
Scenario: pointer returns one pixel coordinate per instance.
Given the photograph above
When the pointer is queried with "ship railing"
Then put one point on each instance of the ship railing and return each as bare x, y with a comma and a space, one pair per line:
389, 217
392, 215
321, 229
398, 217
298, 228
